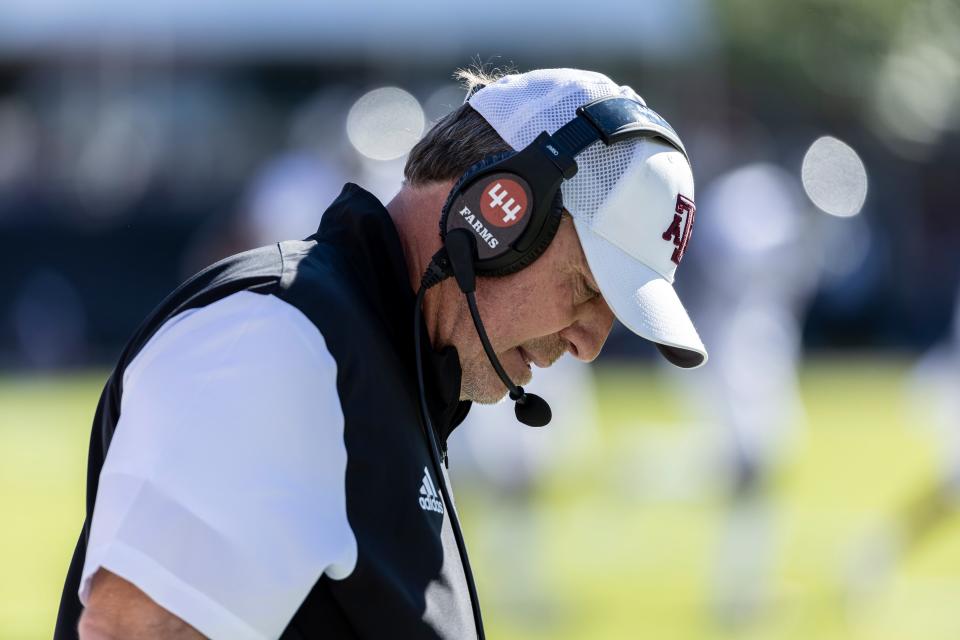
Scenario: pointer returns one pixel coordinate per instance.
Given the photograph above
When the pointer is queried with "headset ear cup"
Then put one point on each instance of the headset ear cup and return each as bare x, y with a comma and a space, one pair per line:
549, 231
467, 175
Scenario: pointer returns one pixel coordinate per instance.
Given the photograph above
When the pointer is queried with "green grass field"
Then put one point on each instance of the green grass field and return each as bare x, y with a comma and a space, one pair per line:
621, 544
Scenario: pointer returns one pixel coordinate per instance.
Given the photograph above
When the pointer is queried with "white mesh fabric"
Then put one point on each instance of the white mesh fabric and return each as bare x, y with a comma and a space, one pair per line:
519, 107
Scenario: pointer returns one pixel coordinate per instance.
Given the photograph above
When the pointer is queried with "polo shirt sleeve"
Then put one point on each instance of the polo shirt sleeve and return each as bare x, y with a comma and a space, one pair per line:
222, 496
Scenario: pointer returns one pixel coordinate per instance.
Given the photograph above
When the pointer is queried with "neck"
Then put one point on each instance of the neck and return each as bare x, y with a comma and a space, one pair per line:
415, 212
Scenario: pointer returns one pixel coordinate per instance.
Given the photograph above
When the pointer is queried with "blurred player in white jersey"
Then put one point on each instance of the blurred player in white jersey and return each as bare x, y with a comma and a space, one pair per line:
933, 403
753, 248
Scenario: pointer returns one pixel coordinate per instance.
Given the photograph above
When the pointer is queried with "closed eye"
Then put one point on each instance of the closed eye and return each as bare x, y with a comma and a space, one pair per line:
585, 292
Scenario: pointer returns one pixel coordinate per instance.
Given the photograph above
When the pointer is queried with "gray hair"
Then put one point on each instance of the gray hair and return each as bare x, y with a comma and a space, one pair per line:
459, 140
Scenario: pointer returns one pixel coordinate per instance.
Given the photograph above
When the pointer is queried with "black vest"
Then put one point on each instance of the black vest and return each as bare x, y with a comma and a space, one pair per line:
350, 279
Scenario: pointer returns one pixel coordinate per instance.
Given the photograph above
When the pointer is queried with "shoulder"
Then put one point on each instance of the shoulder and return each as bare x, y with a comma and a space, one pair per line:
318, 281
222, 496
260, 330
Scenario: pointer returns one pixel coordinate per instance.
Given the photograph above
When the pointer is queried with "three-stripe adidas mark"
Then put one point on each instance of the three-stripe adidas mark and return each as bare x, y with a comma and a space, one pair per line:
429, 500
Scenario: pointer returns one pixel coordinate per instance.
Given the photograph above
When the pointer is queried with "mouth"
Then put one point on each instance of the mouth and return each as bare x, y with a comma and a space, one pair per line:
529, 359
525, 356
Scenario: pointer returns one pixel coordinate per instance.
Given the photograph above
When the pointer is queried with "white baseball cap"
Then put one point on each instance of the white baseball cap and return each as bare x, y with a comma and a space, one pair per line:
631, 202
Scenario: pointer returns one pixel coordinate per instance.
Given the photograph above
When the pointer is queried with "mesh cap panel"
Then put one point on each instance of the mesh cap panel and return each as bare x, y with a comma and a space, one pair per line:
519, 107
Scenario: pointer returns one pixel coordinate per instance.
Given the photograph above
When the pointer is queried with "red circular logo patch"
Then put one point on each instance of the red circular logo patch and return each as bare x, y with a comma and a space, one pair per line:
503, 202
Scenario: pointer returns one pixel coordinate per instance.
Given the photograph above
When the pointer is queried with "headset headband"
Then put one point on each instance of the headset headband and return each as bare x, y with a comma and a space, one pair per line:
610, 119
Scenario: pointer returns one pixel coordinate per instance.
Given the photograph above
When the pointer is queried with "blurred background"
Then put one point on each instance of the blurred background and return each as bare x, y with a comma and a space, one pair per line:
805, 483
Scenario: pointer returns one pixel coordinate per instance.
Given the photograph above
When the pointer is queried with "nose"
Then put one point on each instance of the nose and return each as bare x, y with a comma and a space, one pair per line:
590, 330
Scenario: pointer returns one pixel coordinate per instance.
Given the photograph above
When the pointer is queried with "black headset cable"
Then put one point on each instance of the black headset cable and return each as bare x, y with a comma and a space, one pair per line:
436, 272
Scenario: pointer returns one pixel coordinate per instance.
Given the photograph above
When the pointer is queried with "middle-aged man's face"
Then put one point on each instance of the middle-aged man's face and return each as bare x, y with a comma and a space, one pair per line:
533, 317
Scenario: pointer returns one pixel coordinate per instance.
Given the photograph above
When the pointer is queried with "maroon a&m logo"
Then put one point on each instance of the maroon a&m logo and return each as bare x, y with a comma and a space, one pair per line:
680, 233
503, 202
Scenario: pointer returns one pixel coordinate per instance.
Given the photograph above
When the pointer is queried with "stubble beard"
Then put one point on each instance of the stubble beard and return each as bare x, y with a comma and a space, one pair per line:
481, 384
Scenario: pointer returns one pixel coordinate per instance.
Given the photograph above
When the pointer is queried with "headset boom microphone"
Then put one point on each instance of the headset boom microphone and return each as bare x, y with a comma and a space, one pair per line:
530, 409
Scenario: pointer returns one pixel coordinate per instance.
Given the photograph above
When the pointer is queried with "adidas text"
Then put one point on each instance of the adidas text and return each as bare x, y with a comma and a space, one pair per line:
429, 499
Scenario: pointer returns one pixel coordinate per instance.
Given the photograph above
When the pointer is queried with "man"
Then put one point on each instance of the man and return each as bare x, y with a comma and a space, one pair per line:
258, 466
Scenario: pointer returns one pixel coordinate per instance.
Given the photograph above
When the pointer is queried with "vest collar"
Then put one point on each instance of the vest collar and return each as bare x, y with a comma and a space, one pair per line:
359, 228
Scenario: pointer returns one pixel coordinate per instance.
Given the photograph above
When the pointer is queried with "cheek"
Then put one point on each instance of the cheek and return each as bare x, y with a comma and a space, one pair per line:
506, 307
538, 308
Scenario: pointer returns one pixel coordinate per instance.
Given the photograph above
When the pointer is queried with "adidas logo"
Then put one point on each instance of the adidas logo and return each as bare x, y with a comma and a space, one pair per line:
429, 500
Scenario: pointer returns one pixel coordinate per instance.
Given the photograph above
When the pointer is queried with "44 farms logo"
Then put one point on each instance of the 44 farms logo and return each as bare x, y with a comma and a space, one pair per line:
503, 203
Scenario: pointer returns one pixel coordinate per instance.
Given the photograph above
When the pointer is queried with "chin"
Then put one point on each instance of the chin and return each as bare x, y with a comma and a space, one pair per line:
481, 384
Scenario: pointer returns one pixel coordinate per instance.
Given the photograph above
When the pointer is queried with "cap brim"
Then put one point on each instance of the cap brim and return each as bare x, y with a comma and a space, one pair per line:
642, 300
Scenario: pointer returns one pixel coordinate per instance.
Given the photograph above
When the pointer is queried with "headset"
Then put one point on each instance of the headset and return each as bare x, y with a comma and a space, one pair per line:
502, 214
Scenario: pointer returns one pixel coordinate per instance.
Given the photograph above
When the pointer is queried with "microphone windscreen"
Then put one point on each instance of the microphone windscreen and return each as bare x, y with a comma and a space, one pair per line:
532, 410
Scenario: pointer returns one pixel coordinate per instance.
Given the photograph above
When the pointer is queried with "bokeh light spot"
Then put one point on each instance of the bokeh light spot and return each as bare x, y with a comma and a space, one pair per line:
385, 123
834, 177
